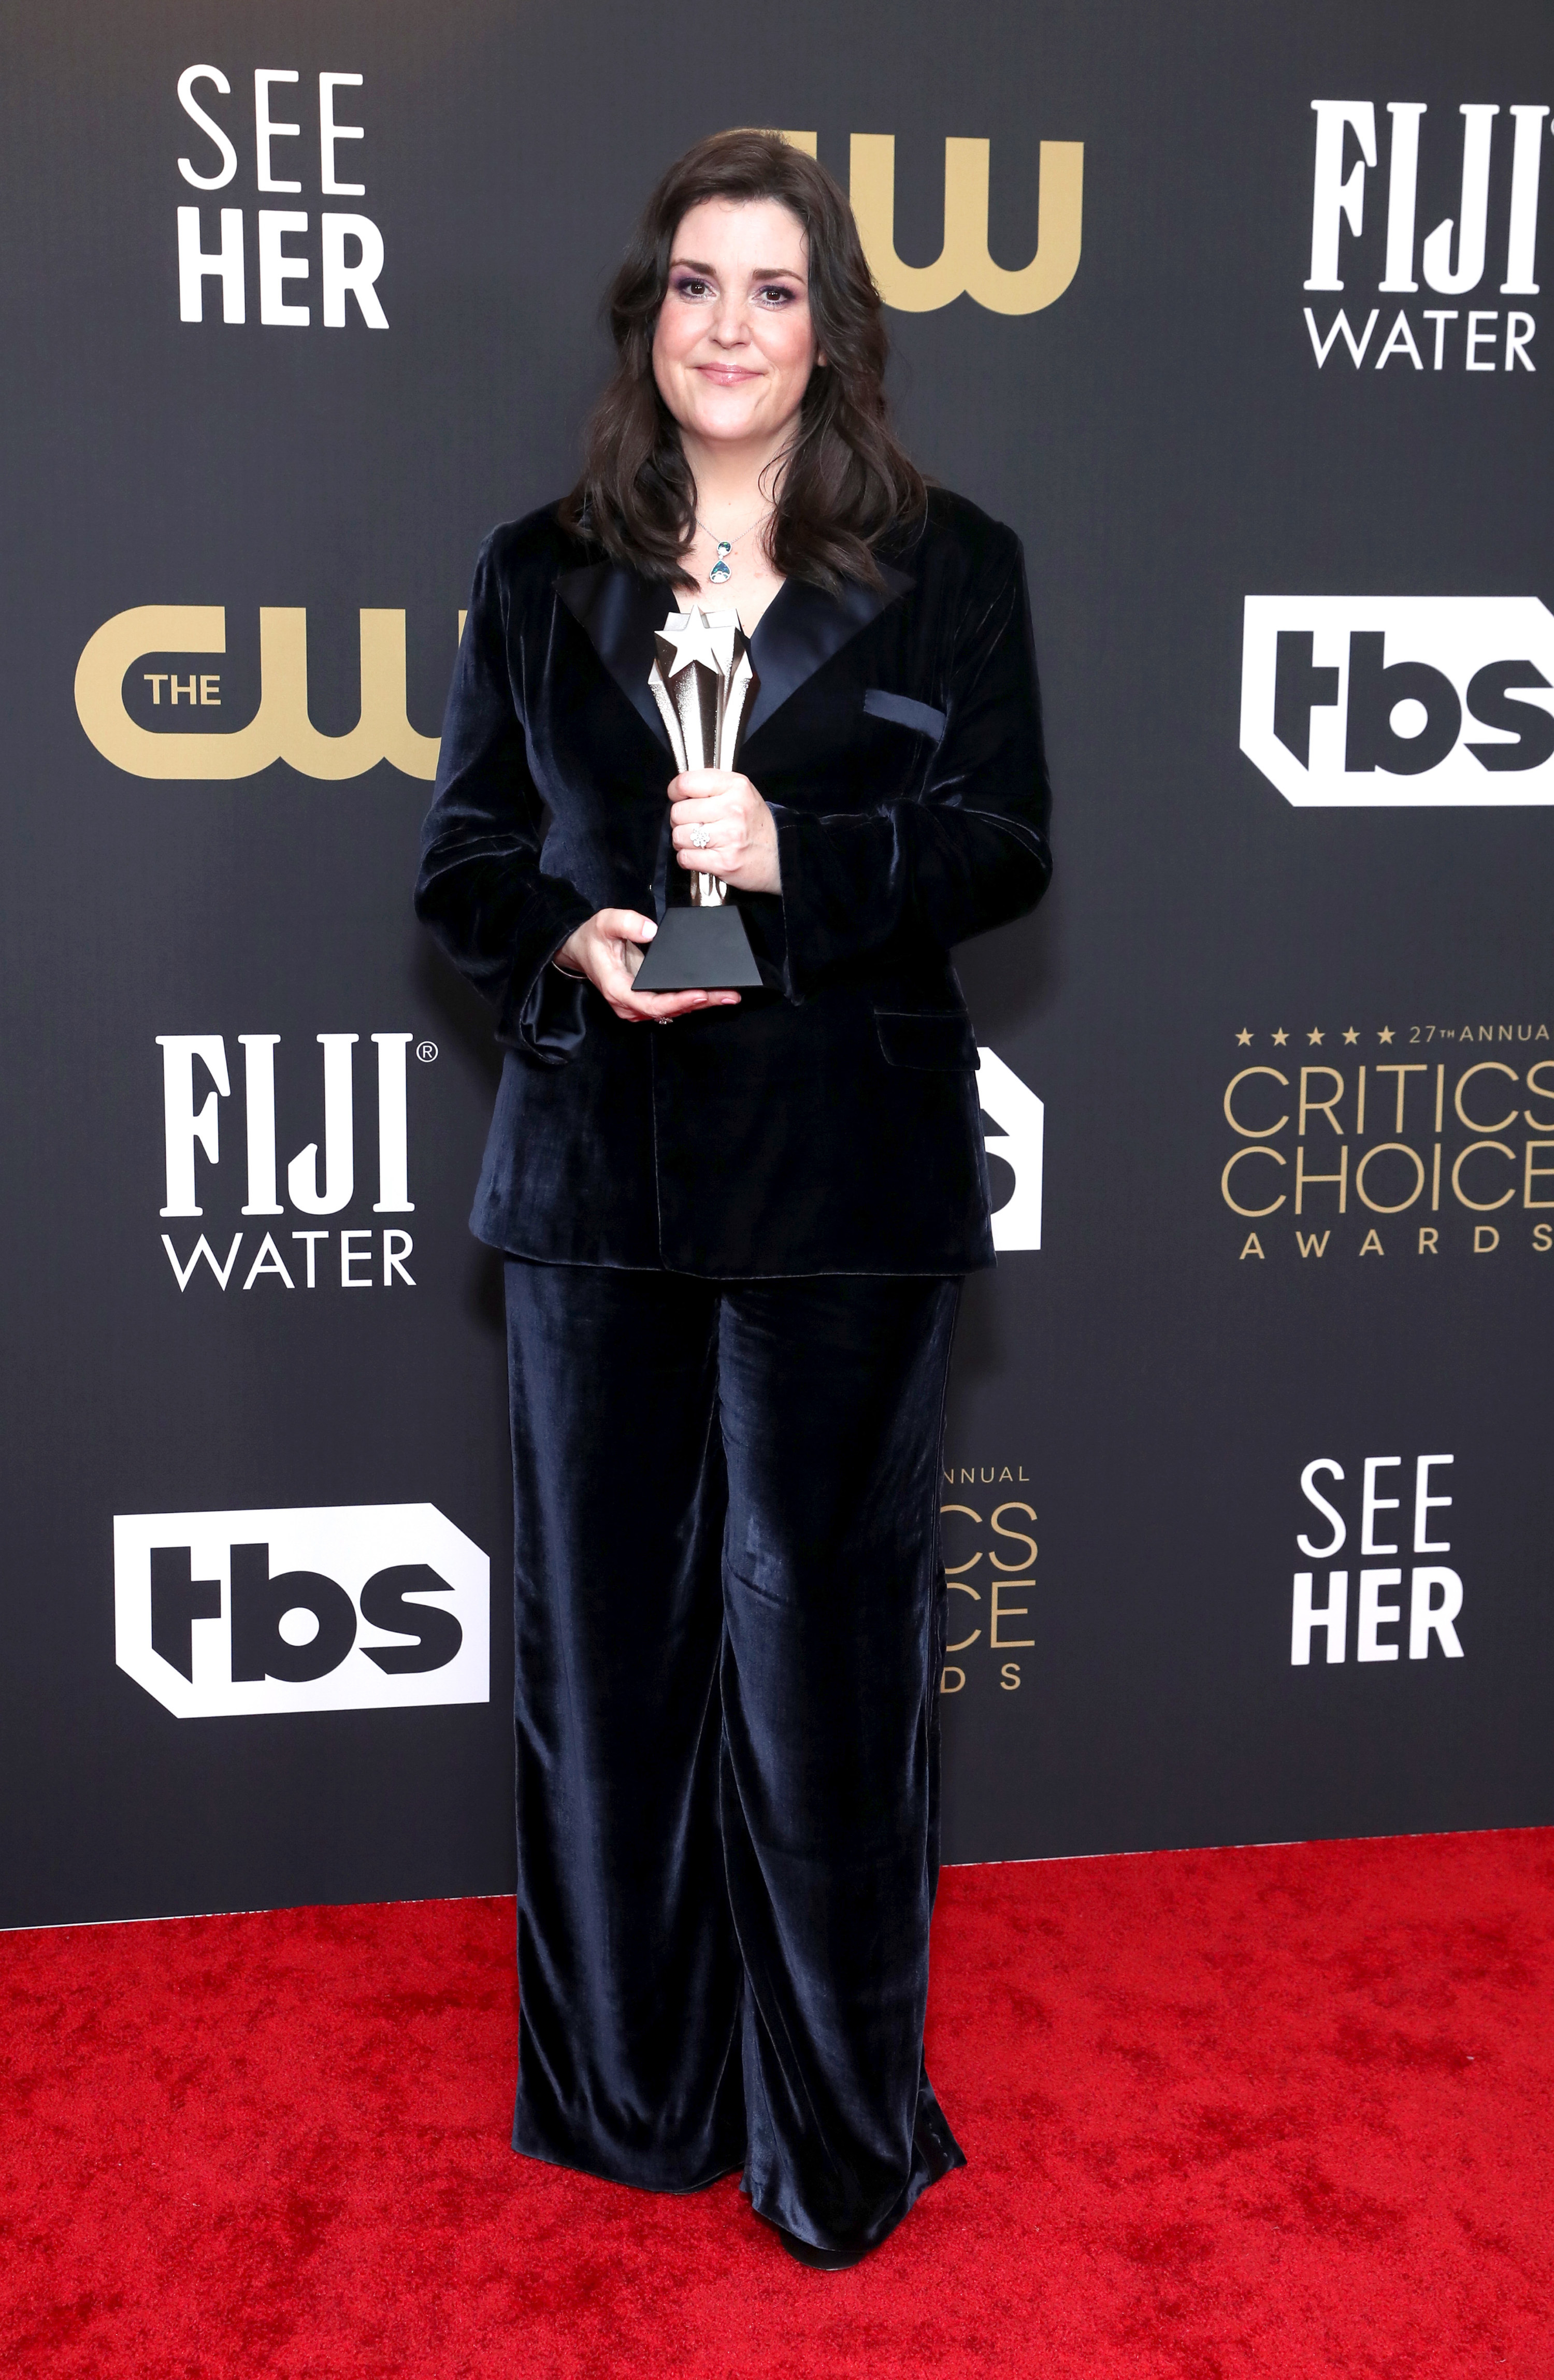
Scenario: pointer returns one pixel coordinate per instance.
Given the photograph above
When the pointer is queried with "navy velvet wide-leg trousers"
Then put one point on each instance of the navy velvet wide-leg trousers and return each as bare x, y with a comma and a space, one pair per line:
730, 1613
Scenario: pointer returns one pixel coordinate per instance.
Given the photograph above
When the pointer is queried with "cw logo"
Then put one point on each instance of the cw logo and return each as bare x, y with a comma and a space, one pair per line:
964, 265
280, 729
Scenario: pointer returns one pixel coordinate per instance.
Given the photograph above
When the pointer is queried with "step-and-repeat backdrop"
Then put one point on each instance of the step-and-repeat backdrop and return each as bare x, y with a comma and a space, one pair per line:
1240, 317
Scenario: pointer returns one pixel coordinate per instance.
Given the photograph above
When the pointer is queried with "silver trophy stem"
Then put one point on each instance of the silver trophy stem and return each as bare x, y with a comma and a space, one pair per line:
703, 683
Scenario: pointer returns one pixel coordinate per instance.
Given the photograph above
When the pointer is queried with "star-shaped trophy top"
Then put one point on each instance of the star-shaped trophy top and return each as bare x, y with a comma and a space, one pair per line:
711, 638
704, 683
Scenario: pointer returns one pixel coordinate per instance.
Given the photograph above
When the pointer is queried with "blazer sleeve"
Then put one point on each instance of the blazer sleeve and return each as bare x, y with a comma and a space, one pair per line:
967, 851
495, 911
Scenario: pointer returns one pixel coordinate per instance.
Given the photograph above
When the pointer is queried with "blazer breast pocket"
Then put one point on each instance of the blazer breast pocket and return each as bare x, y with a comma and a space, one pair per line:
903, 712
942, 1039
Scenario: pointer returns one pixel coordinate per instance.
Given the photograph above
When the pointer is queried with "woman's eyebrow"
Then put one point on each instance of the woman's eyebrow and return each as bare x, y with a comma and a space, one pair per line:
761, 272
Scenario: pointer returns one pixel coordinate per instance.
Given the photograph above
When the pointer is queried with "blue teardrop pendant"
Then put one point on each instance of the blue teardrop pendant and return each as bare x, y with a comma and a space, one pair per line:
721, 573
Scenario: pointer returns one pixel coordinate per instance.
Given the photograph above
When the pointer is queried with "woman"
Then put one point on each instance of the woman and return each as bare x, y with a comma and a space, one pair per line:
733, 1248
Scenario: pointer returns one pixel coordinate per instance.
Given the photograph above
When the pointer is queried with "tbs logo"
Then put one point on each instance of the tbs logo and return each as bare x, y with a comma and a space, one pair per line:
1018, 1130
331, 1607
1362, 701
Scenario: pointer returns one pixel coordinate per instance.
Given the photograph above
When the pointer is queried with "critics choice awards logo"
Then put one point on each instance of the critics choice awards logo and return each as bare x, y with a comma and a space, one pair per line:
1382, 1141
1492, 229
987, 1521
351, 1607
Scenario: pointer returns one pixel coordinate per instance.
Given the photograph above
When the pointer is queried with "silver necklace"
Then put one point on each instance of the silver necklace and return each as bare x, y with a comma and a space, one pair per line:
719, 572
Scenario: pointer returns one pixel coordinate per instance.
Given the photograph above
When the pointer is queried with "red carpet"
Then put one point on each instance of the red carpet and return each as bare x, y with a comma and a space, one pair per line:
1269, 2113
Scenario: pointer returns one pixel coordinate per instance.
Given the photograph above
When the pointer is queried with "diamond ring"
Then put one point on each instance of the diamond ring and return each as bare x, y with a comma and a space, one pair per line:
701, 837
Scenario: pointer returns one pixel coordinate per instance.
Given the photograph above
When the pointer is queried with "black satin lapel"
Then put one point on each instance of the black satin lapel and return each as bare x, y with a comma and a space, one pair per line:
800, 630
620, 613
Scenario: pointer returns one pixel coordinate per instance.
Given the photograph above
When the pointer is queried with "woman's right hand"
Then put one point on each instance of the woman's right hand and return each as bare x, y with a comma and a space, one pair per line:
608, 951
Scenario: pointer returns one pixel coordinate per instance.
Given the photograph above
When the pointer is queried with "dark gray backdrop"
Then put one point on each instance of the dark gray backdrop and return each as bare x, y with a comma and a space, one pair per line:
1165, 443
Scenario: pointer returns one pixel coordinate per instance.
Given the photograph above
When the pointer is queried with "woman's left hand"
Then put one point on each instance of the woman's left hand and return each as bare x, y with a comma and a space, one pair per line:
725, 806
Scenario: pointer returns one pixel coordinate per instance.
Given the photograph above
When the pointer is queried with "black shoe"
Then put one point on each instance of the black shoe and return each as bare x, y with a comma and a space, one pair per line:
819, 2260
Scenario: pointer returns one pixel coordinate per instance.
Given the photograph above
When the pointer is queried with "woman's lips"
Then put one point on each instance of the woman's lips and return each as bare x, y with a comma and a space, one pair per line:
726, 375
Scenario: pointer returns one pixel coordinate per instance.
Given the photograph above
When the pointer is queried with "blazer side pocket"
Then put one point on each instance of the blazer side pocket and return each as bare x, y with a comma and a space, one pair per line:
903, 712
941, 1039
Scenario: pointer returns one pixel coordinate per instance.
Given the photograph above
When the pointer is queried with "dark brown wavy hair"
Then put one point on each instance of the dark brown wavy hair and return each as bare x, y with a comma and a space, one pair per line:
843, 481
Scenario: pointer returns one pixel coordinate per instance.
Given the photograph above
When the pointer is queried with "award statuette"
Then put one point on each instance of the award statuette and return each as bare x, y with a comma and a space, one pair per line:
704, 683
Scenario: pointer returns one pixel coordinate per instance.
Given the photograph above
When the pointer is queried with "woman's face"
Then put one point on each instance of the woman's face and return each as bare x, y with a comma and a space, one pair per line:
735, 345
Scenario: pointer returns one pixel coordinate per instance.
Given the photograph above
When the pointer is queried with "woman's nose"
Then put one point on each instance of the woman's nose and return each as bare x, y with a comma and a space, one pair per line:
729, 326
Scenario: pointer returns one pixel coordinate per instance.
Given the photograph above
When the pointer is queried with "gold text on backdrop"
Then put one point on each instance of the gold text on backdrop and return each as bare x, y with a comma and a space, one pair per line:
965, 266
280, 729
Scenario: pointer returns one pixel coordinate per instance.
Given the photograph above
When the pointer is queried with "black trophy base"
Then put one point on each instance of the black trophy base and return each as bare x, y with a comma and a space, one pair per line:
699, 950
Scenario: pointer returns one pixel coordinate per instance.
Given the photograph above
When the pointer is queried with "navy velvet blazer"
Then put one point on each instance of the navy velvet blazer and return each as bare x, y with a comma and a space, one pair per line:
830, 1124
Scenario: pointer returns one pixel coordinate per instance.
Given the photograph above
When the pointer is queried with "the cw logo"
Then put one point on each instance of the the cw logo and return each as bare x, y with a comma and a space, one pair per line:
280, 729
964, 262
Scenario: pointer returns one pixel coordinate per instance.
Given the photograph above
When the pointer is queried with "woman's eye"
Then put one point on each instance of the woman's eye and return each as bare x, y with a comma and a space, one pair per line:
776, 293
690, 286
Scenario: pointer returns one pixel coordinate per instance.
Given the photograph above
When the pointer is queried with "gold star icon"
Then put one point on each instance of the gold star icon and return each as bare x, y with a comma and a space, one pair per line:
1280, 1039
1351, 1036
1315, 1036
1244, 1037
1384, 1034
